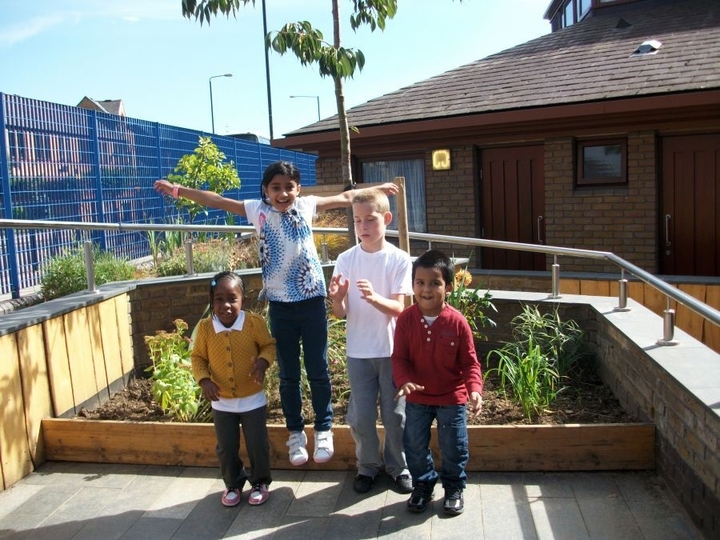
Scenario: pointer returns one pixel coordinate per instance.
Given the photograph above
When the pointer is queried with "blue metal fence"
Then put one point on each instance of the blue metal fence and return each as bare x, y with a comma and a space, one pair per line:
65, 163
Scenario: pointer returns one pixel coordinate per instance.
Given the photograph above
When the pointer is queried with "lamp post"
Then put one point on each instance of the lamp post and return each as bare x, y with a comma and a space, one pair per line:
212, 112
316, 98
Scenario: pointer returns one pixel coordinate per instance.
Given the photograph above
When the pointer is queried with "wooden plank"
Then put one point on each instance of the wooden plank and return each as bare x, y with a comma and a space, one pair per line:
570, 447
35, 387
636, 291
654, 300
687, 319
96, 352
591, 287
122, 311
569, 286
110, 337
82, 370
14, 449
492, 448
58, 366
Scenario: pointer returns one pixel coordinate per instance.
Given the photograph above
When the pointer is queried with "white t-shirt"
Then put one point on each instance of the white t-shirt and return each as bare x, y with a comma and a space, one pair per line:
290, 265
369, 331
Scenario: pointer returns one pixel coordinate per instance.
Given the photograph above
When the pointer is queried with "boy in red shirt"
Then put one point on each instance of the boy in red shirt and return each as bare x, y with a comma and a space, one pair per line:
435, 366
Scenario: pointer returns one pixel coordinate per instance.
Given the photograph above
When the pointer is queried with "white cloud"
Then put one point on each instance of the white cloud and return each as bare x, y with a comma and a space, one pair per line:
22, 31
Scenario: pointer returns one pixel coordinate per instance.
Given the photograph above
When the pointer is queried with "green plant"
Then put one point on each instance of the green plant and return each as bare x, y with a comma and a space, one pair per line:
66, 273
471, 303
174, 386
204, 167
545, 351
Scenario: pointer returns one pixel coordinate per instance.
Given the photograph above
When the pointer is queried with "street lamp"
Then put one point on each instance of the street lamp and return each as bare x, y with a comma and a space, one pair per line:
316, 98
212, 112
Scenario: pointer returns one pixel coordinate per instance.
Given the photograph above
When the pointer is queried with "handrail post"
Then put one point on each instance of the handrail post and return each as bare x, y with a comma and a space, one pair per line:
324, 245
668, 327
89, 266
189, 257
622, 293
555, 278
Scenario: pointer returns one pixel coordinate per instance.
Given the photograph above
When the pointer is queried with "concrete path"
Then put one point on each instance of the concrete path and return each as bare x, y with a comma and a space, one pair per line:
132, 502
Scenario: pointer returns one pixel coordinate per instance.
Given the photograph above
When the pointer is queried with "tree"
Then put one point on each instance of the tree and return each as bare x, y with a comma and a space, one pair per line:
206, 165
309, 46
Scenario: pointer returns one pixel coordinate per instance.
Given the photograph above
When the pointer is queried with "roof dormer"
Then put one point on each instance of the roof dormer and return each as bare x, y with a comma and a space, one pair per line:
564, 13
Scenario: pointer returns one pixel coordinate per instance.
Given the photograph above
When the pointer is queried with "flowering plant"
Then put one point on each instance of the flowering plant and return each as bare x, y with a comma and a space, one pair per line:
471, 302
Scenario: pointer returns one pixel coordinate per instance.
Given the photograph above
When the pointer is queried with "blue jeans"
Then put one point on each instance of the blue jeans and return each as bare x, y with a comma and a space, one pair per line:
290, 324
370, 378
452, 438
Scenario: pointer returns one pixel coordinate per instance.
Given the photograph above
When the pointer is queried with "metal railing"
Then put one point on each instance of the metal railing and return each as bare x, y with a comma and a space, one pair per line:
670, 292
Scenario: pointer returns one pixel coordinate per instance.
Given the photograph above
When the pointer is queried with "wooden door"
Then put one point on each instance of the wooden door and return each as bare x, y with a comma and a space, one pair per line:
513, 205
690, 208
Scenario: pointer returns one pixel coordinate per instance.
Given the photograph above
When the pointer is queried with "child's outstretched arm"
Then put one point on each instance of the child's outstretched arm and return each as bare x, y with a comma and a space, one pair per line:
344, 199
206, 198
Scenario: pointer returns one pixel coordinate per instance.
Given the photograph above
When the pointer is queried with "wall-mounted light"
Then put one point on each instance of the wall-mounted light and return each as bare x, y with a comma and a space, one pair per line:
441, 160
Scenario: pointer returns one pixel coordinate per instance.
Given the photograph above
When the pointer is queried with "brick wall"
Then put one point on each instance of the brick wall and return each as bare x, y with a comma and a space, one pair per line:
651, 383
155, 304
621, 219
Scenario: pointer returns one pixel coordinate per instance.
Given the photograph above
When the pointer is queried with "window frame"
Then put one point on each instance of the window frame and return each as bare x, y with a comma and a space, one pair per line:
582, 181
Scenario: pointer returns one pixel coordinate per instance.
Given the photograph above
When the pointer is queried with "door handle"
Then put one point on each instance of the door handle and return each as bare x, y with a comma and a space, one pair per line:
668, 243
539, 229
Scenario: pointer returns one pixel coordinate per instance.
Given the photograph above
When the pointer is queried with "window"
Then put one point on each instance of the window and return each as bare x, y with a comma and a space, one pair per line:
601, 162
414, 172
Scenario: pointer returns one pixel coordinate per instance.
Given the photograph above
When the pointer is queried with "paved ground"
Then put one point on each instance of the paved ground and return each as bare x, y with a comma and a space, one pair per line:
93, 501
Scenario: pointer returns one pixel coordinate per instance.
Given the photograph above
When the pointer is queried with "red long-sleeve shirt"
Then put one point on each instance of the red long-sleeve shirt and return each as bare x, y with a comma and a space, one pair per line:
441, 357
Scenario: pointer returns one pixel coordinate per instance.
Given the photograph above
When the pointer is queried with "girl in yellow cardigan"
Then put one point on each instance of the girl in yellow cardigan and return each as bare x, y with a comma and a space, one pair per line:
231, 352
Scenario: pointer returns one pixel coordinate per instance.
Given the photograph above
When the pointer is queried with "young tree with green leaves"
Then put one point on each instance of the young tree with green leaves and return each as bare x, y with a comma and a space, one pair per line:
205, 165
309, 46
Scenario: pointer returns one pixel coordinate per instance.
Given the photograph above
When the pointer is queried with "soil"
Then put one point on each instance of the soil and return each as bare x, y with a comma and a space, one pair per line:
585, 401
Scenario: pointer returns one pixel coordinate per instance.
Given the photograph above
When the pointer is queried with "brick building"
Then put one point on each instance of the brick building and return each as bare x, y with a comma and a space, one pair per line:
603, 134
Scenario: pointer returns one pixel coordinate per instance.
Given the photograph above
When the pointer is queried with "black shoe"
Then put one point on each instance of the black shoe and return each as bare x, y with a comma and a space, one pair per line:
403, 483
362, 483
421, 496
454, 502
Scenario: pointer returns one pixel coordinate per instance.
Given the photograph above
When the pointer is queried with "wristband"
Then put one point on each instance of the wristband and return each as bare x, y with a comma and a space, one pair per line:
175, 191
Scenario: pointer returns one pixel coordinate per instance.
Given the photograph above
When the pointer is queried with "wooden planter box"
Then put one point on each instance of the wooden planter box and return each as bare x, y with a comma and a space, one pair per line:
570, 447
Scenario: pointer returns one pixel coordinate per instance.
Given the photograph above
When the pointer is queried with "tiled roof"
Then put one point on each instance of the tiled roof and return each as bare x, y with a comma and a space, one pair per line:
589, 61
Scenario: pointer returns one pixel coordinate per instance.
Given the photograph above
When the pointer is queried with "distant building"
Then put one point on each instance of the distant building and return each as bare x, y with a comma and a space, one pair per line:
250, 137
603, 134
110, 106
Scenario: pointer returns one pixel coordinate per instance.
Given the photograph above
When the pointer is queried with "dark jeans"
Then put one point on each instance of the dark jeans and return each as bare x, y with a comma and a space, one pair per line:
254, 429
290, 324
452, 438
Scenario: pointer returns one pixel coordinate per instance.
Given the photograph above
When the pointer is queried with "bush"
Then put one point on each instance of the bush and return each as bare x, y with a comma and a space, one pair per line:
66, 274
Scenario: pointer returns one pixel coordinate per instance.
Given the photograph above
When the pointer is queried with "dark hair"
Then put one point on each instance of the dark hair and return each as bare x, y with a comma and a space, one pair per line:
222, 276
284, 168
435, 258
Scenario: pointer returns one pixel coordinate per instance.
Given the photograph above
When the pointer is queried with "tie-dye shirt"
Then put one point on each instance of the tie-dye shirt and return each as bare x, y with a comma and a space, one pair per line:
290, 264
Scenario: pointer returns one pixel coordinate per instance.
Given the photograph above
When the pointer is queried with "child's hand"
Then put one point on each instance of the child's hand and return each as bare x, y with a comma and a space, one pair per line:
389, 188
260, 365
163, 187
210, 390
366, 289
338, 288
407, 389
475, 404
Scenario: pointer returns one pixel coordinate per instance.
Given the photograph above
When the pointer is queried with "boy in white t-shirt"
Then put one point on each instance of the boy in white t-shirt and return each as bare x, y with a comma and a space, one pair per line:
368, 287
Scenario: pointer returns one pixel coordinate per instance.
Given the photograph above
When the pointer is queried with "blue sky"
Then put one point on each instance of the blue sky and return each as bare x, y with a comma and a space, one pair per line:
159, 63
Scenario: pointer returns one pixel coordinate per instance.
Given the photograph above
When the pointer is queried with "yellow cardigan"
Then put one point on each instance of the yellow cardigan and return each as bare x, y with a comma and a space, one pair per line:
227, 357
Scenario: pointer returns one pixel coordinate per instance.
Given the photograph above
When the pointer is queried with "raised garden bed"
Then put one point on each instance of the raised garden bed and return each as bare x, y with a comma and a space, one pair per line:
567, 447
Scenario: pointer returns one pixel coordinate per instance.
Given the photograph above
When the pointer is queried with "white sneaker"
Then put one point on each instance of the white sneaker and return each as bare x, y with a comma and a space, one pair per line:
297, 451
323, 446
